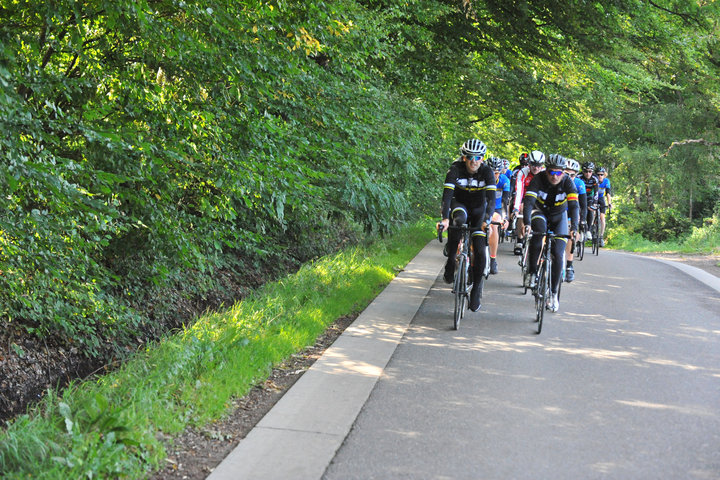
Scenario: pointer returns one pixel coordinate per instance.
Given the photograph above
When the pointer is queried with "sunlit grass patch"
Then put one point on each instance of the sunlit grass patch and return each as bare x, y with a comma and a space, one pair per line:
117, 425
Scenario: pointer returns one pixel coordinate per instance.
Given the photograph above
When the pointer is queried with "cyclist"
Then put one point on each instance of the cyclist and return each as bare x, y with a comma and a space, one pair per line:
506, 169
468, 197
591, 190
604, 201
502, 198
571, 170
536, 160
522, 163
549, 198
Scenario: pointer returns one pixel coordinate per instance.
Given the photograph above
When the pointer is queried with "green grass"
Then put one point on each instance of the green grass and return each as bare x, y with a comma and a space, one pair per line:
705, 240
112, 426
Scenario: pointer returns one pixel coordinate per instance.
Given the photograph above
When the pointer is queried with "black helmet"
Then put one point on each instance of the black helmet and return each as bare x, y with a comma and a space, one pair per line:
555, 160
600, 169
524, 159
537, 158
588, 166
495, 163
473, 147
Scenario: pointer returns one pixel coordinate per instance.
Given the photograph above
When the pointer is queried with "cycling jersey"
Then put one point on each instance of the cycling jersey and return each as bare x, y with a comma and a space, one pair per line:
604, 187
591, 188
582, 196
471, 190
524, 177
502, 191
551, 200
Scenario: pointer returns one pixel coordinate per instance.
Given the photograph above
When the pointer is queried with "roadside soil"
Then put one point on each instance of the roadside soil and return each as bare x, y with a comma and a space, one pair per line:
708, 263
195, 453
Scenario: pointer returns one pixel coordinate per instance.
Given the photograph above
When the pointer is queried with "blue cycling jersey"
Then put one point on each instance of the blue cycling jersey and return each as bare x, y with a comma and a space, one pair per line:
503, 185
604, 187
580, 185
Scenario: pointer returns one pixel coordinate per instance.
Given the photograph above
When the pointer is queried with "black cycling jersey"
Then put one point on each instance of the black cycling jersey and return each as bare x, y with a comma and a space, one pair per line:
472, 190
551, 200
592, 187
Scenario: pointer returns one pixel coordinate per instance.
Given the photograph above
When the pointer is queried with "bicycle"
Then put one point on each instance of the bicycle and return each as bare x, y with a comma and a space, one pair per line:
543, 290
523, 262
579, 244
462, 283
595, 233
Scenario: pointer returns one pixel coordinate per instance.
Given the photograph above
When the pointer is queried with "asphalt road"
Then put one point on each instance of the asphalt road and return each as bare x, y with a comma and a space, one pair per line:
623, 383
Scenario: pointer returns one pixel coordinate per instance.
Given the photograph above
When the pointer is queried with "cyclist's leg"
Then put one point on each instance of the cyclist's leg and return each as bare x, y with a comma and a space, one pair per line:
560, 227
590, 217
458, 216
479, 241
520, 231
493, 240
601, 220
539, 224
569, 255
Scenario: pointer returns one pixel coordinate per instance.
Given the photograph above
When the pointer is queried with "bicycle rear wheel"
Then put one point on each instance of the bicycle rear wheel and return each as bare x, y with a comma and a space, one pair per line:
460, 290
580, 248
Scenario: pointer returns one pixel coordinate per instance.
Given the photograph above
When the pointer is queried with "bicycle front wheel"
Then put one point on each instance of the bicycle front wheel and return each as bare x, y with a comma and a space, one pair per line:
595, 241
543, 289
460, 290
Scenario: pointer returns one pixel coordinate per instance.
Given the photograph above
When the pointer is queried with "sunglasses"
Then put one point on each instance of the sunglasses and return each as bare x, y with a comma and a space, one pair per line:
475, 158
588, 171
555, 173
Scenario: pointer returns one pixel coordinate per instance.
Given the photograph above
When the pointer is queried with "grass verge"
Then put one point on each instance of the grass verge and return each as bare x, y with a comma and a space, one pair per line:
699, 241
112, 426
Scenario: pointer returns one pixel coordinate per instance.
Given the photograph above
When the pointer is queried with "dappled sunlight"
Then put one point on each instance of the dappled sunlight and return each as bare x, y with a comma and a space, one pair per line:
405, 433
376, 329
595, 353
672, 363
335, 362
631, 333
696, 410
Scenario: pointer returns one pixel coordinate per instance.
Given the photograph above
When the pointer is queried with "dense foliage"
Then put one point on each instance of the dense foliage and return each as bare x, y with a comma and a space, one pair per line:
149, 144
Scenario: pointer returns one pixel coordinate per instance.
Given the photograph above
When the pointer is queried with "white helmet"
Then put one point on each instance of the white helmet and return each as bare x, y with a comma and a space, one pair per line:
473, 147
573, 164
537, 158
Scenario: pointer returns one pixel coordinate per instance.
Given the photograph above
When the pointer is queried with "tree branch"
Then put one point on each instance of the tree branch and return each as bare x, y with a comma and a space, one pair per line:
700, 141
688, 19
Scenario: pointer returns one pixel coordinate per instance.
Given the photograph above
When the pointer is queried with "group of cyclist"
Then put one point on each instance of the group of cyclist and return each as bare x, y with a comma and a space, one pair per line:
541, 194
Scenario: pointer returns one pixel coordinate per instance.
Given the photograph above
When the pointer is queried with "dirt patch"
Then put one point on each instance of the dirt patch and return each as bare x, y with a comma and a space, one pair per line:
708, 263
196, 452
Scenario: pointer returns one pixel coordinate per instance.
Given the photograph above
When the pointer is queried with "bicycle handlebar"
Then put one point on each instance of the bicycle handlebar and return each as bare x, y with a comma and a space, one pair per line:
440, 229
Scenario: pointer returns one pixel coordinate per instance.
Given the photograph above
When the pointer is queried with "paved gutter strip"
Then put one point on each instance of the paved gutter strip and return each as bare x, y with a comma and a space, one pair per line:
299, 436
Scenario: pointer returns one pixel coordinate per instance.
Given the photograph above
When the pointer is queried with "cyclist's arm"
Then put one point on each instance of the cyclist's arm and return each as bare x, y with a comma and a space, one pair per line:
519, 182
448, 193
489, 197
582, 201
528, 204
573, 211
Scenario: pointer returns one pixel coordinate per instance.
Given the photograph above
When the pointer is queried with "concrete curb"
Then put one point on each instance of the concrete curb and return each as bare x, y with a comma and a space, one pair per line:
298, 438
707, 278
